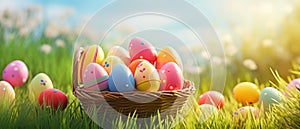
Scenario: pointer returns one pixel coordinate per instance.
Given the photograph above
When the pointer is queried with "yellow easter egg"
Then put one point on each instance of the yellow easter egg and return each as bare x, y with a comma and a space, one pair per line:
92, 54
147, 77
168, 54
110, 62
38, 84
246, 93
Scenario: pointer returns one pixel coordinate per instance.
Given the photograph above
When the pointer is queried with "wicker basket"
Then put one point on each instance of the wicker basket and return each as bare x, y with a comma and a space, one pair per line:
110, 103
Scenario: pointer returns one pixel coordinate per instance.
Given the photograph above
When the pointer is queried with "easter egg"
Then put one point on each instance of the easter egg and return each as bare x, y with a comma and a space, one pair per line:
7, 92
110, 62
245, 112
213, 98
53, 98
269, 96
246, 93
146, 77
142, 49
95, 77
15, 73
167, 54
133, 65
206, 111
171, 77
39, 83
121, 79
292, 88
92, 54
121, 53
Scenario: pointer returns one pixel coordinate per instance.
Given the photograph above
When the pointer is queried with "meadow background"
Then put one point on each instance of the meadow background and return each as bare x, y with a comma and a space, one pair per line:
257, 36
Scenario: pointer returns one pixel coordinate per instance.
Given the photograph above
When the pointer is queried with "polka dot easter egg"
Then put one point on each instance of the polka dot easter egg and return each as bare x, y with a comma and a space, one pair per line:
167, 54
246, 93
293, 88
142, 49
7, 92
39, 83
147, 77
245, 112
133, 65
213, 98
171, 77
110, 62
53, 98
16, 73
121, 79
269, 97
95, 77
92, 54
121, 53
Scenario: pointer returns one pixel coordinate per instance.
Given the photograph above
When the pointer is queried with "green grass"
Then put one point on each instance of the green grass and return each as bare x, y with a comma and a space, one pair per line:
58, 65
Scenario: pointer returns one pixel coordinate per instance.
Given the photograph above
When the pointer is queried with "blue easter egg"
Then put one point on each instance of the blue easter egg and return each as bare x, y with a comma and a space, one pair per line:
121, 79
268, 97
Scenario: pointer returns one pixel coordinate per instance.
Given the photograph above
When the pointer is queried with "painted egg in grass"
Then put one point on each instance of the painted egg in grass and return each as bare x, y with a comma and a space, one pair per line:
292, 88
213, 98
53, 98
133, 65
206, 111
171, 77
246, 93
7, 92
121, 53
147, 77
92, 54
121, 79
269, 96
245, 112
110, 62
95, 77
15, 73
142, 49
39, 83
167, 54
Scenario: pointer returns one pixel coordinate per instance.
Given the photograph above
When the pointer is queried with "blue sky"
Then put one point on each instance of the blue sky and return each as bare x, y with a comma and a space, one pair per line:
222, 13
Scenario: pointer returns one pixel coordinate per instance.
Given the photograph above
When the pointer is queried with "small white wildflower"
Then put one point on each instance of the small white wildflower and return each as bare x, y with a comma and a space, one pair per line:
46, 48
205, 55
216, 60
227, 39
60, 43
231, 50
267, 42
250, 64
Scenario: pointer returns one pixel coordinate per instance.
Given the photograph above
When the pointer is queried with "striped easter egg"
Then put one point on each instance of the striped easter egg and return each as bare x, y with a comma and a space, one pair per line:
92, 54
95, 77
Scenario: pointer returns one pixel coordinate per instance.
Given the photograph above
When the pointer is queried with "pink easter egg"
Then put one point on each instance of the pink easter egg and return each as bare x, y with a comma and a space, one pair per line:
16, 73
171, 77
292, 88
95, 77
142, 49
119, 52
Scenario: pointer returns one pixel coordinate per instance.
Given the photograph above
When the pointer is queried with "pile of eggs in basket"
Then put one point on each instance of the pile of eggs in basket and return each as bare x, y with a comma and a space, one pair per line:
140, 68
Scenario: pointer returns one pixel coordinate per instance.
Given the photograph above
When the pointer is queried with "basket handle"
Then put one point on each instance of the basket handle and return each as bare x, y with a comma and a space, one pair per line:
76, 59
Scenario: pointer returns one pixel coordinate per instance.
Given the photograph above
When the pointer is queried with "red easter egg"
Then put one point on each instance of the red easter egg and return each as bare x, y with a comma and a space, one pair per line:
213, 98
53, 98
133, 65
142, 49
